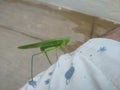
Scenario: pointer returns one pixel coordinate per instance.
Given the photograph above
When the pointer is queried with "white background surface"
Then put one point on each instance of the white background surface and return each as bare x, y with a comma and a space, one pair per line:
106, 9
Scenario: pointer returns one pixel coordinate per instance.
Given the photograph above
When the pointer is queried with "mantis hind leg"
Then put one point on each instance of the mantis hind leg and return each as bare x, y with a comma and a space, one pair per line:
32, 63
48, 58
56, 55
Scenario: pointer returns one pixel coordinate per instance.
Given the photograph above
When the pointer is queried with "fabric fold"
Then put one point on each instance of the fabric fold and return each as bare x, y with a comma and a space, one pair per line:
93, 66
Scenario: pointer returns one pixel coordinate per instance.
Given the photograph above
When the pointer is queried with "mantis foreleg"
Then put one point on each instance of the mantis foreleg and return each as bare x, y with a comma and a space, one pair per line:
64, 49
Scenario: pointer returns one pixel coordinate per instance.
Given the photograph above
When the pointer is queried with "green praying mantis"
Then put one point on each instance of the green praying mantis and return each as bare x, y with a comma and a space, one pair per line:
46, 46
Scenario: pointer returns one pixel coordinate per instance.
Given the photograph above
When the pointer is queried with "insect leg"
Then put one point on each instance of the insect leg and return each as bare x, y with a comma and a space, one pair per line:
48, 58
32, 64
56, 55
64, 49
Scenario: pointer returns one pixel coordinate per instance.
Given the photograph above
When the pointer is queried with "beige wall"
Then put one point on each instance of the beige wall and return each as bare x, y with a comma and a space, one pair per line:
106, 9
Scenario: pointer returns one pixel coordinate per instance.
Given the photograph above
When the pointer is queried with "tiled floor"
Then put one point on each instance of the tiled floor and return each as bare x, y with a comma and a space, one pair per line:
114, 34
24, 22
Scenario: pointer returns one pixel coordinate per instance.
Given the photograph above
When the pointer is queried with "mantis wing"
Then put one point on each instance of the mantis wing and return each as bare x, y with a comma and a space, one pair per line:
46, 43
29, 46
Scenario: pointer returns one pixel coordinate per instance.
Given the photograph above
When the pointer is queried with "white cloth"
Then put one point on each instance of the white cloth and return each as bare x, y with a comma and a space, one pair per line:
93, 66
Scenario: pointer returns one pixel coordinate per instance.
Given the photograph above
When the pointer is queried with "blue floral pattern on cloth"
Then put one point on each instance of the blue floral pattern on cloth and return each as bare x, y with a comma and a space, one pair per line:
50, 73
32, 83
69, 74
47, 81
102, 49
